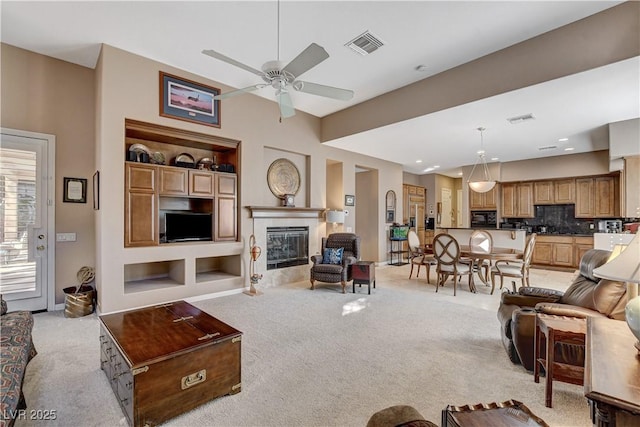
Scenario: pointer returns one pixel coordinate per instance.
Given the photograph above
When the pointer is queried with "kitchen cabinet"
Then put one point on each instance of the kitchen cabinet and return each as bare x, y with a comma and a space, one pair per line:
553, 250
483, 201
559, 250
517, 200
564, 191
597, 197
582, 245
141, 205
554, 192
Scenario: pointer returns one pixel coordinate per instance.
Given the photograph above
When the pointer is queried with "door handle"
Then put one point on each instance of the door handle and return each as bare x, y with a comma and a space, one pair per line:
40, 247
41, 236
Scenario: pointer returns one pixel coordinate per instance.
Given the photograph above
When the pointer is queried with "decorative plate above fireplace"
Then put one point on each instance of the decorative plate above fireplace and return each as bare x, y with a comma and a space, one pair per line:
283, 178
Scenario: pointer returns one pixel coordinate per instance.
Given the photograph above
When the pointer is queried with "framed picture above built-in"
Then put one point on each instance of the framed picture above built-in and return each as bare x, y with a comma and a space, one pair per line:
187, 100
349, 200
74, 190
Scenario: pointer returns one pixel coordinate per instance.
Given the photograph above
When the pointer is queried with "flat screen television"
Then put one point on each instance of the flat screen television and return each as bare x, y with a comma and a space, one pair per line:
187, 226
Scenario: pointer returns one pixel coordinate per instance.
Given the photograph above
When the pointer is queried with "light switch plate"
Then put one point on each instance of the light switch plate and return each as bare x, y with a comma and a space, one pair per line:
65, 237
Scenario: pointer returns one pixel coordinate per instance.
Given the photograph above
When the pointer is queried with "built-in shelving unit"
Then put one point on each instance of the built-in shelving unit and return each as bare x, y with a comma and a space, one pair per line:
149, 276
171, 270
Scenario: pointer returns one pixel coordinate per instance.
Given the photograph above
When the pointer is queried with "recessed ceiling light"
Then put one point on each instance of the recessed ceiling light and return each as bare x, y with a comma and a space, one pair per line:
436, 166
493, 159
459, 173
563, 139
418, 161
421, 68
428, 170
569, 149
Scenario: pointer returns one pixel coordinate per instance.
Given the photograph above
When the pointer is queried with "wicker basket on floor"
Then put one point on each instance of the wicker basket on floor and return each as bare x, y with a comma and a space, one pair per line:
80, 300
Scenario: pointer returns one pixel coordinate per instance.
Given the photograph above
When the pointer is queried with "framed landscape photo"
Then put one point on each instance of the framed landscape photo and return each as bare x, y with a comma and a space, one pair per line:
187, 100
75, 190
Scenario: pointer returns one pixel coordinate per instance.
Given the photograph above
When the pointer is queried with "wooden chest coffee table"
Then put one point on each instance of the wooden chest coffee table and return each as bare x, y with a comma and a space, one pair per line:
165, 360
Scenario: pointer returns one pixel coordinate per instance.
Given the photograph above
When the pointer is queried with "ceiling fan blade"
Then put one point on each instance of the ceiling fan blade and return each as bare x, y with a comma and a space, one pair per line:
306, 60
286, 105
239, 91
322, 90
221, 57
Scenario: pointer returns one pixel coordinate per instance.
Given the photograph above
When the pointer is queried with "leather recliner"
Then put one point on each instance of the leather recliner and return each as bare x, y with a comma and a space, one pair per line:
586, 296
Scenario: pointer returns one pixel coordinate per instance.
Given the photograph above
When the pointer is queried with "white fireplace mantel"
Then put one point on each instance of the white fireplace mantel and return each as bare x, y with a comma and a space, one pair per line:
285, 212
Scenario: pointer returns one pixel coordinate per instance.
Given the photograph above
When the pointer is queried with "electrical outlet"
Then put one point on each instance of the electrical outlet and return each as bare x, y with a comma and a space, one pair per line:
592, 226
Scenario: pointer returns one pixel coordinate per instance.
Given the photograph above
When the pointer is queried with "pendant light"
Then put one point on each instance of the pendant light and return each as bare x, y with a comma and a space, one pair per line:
485, 183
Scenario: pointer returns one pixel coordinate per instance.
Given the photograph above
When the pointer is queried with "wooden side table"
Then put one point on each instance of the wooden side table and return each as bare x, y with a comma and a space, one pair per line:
564, 329
363, 273
612, 373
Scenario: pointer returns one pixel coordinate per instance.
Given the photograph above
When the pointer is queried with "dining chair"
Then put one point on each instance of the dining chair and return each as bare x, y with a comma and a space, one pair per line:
417, 256
447, 253
518, 269
482, 242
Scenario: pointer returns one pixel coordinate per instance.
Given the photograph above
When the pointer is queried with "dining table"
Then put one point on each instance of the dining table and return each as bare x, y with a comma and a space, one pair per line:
477, 255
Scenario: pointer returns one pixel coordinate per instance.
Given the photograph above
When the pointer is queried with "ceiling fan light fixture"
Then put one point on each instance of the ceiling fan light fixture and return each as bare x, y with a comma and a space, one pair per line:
485, 184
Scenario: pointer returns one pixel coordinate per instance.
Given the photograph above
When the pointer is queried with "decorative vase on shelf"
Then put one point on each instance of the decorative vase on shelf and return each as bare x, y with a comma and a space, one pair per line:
632, 314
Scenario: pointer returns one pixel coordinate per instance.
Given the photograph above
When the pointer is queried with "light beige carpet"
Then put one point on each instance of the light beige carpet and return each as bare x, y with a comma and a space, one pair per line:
322, 358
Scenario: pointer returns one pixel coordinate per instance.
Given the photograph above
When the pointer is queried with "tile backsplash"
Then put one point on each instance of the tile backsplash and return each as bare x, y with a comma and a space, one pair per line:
556, 218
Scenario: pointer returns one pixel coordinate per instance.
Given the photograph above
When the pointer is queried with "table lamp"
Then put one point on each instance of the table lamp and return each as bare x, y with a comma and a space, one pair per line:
625, 267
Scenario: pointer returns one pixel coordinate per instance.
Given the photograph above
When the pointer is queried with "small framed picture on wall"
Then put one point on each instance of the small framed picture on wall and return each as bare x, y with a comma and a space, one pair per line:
74, 190
349, 200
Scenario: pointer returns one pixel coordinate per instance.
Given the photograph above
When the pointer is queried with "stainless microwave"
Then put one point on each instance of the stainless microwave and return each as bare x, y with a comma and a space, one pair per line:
483, 219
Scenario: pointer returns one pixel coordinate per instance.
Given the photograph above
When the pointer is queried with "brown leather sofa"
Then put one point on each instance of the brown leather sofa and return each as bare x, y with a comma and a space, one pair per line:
586, 296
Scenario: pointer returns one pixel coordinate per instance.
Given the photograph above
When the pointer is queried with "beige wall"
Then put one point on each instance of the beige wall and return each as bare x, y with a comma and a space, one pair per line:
250, 119
46, 95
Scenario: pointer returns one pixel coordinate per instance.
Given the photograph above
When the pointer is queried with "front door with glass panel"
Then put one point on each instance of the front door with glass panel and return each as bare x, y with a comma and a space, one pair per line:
23, 221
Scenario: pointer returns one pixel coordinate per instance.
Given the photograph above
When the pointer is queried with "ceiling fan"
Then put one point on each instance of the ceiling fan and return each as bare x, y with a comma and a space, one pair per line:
282, 79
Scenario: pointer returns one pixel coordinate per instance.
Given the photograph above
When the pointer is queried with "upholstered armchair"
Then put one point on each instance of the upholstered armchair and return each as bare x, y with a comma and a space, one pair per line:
586, 296
333, 265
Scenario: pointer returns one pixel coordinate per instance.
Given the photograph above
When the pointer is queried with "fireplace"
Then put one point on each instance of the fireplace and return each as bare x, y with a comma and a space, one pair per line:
287, 247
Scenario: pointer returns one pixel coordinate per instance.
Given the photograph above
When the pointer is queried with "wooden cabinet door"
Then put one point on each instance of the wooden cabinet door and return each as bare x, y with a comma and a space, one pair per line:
564, 191
525, 201
543, 193
200, 183
509, 201
563, 254
585, 205
173, 181
140, 206
605, 197
405, 204
542, 253
225, 216
491, 198
580, 250
476, 200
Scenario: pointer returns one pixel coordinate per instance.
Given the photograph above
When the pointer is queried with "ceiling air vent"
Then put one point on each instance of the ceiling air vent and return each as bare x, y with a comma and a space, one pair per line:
520, 119
548, 147
365, 43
